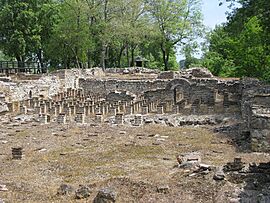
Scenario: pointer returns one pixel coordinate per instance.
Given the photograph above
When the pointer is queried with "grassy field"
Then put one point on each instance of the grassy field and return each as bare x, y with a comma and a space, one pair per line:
134, 161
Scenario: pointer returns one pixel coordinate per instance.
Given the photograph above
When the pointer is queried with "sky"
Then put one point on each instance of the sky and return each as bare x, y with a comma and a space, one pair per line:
213, 14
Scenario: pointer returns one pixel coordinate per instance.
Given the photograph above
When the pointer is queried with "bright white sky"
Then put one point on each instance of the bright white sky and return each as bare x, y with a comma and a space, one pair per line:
213, 14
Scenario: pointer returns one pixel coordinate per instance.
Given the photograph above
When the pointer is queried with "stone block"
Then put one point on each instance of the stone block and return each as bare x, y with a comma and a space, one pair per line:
160, 110
17, 152
80, 118
98, 118
260, 140
119, 118
45, 118
145, 110
138, 120
61, 118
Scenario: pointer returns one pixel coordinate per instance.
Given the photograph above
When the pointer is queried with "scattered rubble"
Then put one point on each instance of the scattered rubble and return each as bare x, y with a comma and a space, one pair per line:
82, 192
65, 189
189, 160
236, 165
3, 188
92, 125
219, 174
165, 189
17, 153
105, 195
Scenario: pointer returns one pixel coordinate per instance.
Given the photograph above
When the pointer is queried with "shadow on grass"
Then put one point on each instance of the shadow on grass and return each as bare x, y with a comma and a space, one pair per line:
238, 135
257, 184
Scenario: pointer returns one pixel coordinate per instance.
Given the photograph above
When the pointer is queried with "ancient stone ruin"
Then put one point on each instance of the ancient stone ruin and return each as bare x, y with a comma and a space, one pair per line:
136, 95
134, 135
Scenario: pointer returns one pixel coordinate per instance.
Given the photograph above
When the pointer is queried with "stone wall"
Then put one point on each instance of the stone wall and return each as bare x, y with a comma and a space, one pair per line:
198, 94
3, 107
259, 125
255, 109
168, 75
20, 90
120, 96
104, 87
132, 70
88, 92
45, 85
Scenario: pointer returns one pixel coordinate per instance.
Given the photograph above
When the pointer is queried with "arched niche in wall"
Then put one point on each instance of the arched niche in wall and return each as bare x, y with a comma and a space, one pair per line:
180, 89
178, 94
30, 95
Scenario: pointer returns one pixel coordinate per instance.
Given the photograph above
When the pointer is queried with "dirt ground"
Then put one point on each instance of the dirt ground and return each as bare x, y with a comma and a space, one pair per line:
133, 161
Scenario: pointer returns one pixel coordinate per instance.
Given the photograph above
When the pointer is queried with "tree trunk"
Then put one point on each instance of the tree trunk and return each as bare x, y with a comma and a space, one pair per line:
127, 49
89, 64
102, 56
103, 44
20, 60
120, 56
76, 57
39, 55
165, 59
132, 56
68, 63
166, 55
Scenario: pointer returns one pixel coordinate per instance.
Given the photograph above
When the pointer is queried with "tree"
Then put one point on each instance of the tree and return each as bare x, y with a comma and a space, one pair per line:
25, 28
240, 47
106, 14
105, 33
190, 60
48, 18
177, 22
132, 28
218, 57
71, 39
19, 29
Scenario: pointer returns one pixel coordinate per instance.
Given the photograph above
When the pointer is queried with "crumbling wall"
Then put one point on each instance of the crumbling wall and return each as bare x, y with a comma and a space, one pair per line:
104, 87
196, 93
259, 125
255, 109
181, 91
168, 75
46, 86
132, 70
3, 105
20, 90
156, 95
120, 96
205, 94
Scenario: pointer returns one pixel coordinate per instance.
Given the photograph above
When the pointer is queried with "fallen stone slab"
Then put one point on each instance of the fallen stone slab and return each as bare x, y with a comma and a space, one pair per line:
236, 165
165, 189
219, 174
65, 189
106, 195
3, 188
82, 192
188, 159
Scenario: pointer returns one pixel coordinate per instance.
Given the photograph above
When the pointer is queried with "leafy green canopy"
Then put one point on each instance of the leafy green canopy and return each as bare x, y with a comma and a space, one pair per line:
105, 33
241, 46
178, 22
25, 27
